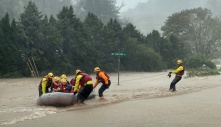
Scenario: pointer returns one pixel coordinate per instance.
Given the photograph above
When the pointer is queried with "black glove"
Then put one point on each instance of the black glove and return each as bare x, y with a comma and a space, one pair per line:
169, 74
75, 93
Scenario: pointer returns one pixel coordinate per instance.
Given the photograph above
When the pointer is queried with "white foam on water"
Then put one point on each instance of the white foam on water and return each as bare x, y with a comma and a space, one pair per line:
32, 113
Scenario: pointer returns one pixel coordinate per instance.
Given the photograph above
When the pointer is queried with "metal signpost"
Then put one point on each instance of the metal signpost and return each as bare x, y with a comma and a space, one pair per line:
118, 64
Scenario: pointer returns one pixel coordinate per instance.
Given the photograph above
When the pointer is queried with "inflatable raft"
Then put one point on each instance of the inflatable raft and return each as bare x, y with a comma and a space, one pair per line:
59, 99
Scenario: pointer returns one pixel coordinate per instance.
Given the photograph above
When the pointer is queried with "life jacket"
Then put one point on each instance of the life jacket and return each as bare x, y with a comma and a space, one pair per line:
56, 85
48, 84
181, 72
101, 79
72, 82
85, 78
65, 88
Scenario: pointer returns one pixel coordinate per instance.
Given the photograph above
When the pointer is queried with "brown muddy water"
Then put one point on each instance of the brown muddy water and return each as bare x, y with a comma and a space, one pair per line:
141, 99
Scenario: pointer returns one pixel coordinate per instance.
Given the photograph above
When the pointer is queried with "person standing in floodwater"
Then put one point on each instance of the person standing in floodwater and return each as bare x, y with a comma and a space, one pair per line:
102, 77
45, 84
179, 73
83, 86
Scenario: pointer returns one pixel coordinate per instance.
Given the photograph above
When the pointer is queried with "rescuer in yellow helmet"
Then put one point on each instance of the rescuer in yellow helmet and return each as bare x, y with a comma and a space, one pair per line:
63, 76
179, 72
56, 84
83, 86
102, 77
46, 84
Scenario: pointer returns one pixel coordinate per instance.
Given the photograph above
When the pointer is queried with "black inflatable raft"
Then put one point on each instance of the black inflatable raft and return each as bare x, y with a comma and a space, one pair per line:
59, 99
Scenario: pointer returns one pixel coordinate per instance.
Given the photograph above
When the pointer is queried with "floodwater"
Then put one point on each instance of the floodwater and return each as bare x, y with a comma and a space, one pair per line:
140, 99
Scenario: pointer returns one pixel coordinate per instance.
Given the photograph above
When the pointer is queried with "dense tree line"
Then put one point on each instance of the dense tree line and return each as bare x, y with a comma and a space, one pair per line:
65, 43
15, 7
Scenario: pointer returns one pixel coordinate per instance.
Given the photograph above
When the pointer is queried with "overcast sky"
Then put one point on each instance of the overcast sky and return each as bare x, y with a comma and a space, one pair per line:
128, 4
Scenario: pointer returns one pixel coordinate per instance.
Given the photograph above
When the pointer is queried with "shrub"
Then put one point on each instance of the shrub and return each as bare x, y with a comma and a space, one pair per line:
202, 72
199, 61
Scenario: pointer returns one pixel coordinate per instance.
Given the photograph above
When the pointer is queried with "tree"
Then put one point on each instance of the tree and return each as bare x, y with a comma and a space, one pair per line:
12, 7
130, 31
11, 65
140, 57
95, 29
74, 38
33, 38
103, 9
196, 28
53, 44
198, 61
51, 7
15, 7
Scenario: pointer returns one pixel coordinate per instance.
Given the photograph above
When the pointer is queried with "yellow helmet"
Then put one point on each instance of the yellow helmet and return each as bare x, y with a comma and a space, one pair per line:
63, 80
56, 78
78, 71
179, 61
50, 75
63, 76
96, 69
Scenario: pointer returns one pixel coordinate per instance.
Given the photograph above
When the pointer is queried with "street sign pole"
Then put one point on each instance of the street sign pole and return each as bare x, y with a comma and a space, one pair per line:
118, 63
118, 70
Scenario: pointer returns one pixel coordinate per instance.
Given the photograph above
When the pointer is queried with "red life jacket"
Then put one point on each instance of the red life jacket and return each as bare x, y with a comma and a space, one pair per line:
63, 88
56, 85
181, 72
72, 82
101, 79
85, 78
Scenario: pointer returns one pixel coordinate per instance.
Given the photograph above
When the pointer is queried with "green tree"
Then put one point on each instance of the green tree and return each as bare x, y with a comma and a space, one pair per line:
154, 41
74, 38
53, 44
94, 28
12, 7
130, 31
103, 9
170, 48
51, 7
33, 38
196, 28
198, 61
16, 7
112, 42
11, 65
140, 56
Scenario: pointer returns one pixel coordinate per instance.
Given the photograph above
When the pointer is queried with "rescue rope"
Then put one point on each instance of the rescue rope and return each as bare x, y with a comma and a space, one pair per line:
143, 77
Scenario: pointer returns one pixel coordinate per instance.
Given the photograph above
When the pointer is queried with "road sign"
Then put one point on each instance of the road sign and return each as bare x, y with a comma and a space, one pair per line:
118, 54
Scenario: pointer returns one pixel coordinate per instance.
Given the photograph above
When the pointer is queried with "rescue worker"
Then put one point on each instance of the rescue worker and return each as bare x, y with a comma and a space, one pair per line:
56, 84
45, 84
179, 73
64, 87
103, 78
65, 77
72, 83
83, 86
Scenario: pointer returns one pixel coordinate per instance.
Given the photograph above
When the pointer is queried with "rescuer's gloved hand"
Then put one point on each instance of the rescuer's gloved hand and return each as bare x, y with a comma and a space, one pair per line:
169, 75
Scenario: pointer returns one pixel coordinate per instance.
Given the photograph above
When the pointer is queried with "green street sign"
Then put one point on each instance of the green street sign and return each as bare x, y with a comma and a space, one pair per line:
118, 54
